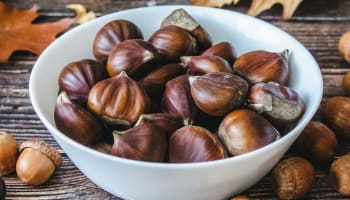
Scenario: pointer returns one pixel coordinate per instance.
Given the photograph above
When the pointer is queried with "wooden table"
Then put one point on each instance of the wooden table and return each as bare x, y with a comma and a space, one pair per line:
317, 24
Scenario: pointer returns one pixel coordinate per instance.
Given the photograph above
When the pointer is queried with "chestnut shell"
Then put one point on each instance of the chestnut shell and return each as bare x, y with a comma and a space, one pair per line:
199, 65
223, 50
112, 34
77, 78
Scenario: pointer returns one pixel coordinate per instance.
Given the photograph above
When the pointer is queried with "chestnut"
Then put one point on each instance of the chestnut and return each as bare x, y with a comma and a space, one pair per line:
263, 66
182, 19
112, 34
145, 142
223, 50
118, 100
280, 104
77, 78
172, 42
154, 82
218, 93
244, 130
198, 65
136, 57
194, 144
177, 99
76, 122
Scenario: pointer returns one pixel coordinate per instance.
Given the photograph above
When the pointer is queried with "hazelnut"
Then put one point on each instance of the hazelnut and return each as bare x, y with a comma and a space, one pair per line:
335, 113
263, 66
2, 188
194, 144
77, 78
317, 142
76, 122
340, 174
344, 46
244, 130
112, 34
293, 178
218, 93
8, 153
37, 162
346, 83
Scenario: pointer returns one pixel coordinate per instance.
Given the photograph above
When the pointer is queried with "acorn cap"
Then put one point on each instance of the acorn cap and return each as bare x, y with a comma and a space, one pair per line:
44, 148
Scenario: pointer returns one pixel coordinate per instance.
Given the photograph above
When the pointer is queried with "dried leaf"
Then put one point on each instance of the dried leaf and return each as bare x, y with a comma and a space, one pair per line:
18, 33
289, 6
214, 3
81, 15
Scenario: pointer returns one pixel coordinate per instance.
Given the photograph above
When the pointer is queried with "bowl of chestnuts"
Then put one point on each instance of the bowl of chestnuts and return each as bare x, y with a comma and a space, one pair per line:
175, 102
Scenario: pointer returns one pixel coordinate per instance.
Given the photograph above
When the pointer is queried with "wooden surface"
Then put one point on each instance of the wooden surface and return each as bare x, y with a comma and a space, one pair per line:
317, 24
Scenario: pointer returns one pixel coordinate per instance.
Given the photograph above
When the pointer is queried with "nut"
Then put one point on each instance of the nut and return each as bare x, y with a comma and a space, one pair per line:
340, 174
317, 142
240, 197
278, 103
173, 42
37, 162
177, 99
167, 122
218, 93
194, 144
112, 34
335, 113
154, 82
8, 153
145, 142
102, 147
136, 57
198, 65
76, 122
344, 46
223, 50
77, 78
346, 82
293, 178
244, 130
263, 66
118, 100
182, 19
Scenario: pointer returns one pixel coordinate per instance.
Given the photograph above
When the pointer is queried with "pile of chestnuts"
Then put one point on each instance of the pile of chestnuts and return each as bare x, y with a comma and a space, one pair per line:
176, 97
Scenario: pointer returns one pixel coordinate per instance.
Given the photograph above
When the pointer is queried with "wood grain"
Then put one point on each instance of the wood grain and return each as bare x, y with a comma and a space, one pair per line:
317, 24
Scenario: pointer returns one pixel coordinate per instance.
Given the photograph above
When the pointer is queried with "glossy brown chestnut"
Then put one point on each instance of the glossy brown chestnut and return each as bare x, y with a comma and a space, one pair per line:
77, 78
177, 99
223, 50
194, 144
335, 113
173, 42
182, 19
263, 66
154, 82
169, 123
317, 142
144, 142
198, 65
218, 93
118, 100
76, 122
112, 34
136, 57
280, 104
244, 130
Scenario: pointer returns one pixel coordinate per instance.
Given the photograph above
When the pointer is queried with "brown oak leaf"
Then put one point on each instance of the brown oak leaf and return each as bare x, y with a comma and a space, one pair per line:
257, 6
18, 33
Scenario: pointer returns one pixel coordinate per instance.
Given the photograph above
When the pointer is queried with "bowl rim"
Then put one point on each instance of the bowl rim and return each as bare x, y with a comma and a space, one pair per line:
229, 160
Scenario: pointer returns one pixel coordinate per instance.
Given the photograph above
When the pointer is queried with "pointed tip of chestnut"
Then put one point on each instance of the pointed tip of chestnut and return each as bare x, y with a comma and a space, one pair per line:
192, 79
286, 53
63, 98
184, 60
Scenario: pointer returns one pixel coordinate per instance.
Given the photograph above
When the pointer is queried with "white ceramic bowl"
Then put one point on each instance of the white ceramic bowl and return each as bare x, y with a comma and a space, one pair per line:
221, 179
